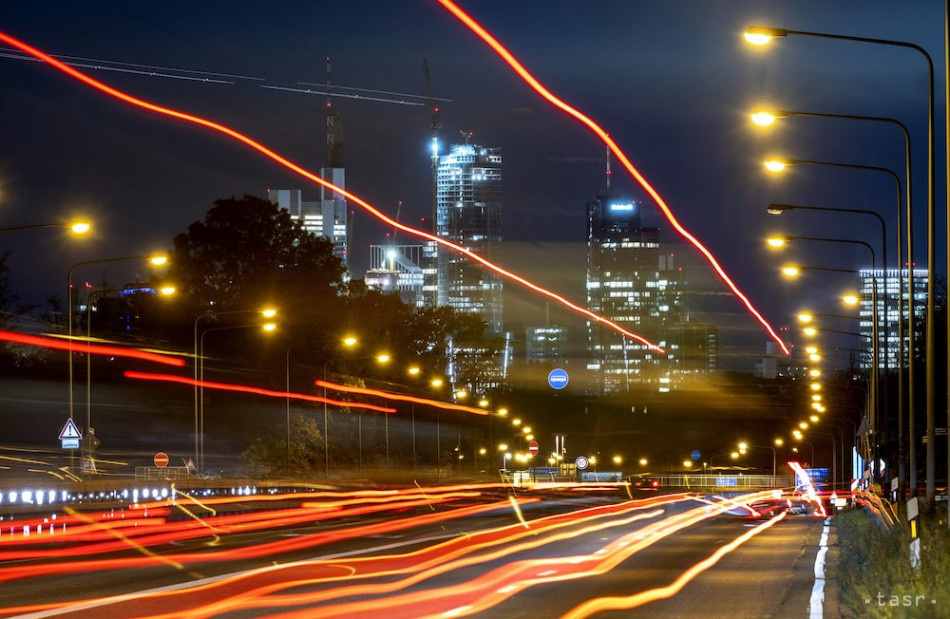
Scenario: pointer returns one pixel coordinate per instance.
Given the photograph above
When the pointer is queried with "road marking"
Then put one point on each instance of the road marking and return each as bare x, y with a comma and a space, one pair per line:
815, 610
125, 597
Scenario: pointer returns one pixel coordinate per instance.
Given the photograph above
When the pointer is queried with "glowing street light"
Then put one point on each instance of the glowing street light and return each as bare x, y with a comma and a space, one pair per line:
791, 271
850, 299
760, 35
765, 118
805, 317
776, 241
436, 382
774, 165
617, 459
810, 331
779, 442
643, 462
350, 341
80, 227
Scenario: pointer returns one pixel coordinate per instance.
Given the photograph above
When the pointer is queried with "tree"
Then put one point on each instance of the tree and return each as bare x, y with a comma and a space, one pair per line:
248, 253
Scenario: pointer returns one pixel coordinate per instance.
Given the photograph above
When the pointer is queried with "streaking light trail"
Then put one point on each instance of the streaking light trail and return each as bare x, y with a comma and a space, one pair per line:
475, 27
388, 395
597, 605
182, 380
93, 349
118, 94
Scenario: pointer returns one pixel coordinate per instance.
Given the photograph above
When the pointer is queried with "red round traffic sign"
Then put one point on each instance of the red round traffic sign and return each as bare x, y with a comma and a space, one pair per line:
533, 448
161, 459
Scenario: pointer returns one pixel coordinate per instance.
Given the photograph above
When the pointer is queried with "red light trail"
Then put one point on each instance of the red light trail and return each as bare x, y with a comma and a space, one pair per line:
475, 27
118, 94
401, 397
603, 604
93, 349
191, 382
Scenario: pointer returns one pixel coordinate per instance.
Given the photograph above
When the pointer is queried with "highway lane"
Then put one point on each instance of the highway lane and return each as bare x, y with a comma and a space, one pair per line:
572, 548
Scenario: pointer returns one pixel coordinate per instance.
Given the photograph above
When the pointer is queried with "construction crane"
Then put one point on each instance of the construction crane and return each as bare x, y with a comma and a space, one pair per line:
434, 124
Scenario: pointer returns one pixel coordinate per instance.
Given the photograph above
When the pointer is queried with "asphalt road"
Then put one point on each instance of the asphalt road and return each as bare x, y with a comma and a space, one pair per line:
436, 552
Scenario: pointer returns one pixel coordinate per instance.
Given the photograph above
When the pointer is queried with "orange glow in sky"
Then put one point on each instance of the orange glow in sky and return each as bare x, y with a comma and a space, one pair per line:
118, 94
621, 156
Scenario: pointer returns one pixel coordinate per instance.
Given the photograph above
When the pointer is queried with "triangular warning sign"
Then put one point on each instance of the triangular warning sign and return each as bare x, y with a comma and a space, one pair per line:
70, 431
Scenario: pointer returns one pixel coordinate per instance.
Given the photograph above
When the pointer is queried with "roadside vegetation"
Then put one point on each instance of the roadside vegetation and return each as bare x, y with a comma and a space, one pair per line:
874, 575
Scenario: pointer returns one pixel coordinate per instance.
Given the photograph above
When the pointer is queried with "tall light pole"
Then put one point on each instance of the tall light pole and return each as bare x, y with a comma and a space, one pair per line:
777, 242
156, 260
767, 118
266, 327
267, 312
348, 341
163, 291
772, 449
759, 35
76, 227
778, 209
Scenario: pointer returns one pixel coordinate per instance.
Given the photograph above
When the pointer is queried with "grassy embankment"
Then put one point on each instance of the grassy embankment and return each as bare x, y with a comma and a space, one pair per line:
874, 564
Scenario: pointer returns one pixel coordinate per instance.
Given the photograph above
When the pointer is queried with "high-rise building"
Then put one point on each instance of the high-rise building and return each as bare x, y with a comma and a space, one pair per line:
397, 269
545, 344
890, 284
326, 217
632, 283
468, 213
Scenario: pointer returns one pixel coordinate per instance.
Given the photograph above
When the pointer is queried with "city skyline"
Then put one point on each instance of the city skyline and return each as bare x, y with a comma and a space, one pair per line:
545, 177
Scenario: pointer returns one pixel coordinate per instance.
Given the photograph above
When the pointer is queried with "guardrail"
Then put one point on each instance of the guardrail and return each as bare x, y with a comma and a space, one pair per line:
150, 473
724, 482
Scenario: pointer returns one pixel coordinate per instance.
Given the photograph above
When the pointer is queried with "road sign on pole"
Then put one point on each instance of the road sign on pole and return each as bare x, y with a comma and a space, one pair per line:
558, 378
581, 463
70, 435
533, 448
161, 459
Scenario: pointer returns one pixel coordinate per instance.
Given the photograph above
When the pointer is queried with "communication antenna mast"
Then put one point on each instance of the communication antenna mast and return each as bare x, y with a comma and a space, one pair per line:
334, 130
467, 135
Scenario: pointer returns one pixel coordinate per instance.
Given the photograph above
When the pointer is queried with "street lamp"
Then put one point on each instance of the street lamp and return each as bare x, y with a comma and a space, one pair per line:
268, 327
164, 291
348, 342
874, 321
155, 259
266, 312
760, 35
382, 358
767, 118
772, 449
778, 209
78, 227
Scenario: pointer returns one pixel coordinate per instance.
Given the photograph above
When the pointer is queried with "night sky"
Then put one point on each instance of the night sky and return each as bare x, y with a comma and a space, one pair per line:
672, 82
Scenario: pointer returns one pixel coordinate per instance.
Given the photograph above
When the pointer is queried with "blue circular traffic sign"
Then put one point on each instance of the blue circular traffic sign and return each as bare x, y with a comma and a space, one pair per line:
695, 455
558, 378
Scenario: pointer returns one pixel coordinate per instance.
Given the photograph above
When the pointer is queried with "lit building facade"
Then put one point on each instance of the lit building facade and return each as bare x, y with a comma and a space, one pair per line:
545, 345
325, 217
632, 283
468, 213
398, 269
890, 284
